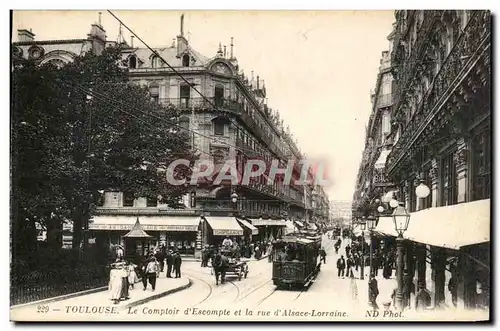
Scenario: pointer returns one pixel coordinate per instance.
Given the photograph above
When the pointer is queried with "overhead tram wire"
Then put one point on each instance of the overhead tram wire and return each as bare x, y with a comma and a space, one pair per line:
112, 101
91, 92
174, 70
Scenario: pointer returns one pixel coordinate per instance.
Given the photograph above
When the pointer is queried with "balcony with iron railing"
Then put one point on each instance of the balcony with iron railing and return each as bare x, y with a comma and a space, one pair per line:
470, 46
210, 104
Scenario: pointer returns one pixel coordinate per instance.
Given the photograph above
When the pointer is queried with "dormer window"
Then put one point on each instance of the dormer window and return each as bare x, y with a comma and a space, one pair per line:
185, 60
155, 62
132, 62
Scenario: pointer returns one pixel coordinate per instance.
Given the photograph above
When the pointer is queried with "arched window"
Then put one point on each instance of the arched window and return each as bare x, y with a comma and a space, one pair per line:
155, 62
185, 60
132, 62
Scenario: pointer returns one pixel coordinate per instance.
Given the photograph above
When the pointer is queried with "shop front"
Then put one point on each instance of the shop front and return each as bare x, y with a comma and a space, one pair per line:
445, 242
216, 228
269, 229
178, 233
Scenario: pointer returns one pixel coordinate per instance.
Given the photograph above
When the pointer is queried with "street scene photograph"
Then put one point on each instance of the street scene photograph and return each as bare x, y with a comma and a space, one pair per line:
244, 166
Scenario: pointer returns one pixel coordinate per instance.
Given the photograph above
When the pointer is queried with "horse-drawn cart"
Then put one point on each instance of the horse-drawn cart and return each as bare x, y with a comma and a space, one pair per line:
237, 267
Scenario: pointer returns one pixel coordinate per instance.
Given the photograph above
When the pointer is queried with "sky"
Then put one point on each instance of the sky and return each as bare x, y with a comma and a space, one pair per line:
319, 67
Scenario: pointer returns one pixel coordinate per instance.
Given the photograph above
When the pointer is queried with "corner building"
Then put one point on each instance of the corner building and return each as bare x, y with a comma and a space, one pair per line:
233, 122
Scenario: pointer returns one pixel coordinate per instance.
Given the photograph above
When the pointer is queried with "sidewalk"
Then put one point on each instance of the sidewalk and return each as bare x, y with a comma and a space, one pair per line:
164, 287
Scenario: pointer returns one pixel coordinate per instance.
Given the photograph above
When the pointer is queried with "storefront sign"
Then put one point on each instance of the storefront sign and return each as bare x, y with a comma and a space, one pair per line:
268, 223
146, 227
220, 232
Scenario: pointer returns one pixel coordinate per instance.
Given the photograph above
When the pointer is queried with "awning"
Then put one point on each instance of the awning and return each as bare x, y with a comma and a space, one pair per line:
299, 223
224, 226
451, 226
259, 222
249, 226
290, 227
385, 226
148, 223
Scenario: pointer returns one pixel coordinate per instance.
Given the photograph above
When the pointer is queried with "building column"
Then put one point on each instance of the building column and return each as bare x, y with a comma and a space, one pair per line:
433, 174
467, 291
421, 266
438, 275
460, 160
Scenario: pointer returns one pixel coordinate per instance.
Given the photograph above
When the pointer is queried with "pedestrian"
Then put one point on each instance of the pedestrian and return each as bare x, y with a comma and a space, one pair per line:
151, 270
322, 253
132, 276
170, 262
204, 257
125, 273
373, 291
340, 266
453, 288
119, 252
423, 298
349, 263
224, 265
160, 257
115, 283
347, 250
177, 264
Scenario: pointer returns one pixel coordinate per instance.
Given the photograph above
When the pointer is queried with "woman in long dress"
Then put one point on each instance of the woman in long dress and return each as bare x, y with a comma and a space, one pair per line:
125, 274
115, 283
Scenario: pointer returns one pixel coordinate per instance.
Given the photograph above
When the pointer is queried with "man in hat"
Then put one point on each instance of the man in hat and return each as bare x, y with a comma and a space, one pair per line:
151, 270
177, 264
170, 262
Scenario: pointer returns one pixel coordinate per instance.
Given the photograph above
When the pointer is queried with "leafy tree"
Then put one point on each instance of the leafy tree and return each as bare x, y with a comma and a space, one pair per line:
82, 129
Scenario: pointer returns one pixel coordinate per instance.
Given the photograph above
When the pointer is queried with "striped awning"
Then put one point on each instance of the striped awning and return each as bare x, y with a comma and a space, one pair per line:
224, 226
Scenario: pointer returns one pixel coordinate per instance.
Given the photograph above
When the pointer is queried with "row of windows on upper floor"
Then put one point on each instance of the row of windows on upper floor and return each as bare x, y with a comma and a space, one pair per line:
156, 62
185, 100
479, 175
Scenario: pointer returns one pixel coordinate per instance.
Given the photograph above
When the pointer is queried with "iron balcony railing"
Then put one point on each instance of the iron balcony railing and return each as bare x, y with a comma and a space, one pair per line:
470, 46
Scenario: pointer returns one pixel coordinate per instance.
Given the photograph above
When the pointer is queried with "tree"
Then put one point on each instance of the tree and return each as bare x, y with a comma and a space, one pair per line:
81, 129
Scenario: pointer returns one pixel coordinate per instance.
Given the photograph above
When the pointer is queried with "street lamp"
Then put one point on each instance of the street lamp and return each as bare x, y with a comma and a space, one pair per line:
401, 218
234, 199
363, 228
422, 191
371, 221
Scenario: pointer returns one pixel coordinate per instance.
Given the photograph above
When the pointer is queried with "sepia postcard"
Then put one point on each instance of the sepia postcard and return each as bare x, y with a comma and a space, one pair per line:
250, 166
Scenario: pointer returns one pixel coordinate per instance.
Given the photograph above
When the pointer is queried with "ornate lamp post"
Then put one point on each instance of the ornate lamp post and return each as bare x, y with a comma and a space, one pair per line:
371, 222
363, 228
401, 218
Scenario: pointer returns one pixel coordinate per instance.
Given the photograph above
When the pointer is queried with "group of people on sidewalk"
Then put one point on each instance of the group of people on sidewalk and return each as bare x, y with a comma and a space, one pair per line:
125, 274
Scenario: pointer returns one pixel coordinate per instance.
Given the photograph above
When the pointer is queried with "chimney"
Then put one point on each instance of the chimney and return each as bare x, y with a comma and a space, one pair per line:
98, 37
24, 35
131, 41
232, 57
182, 42
225, 51
258, 81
